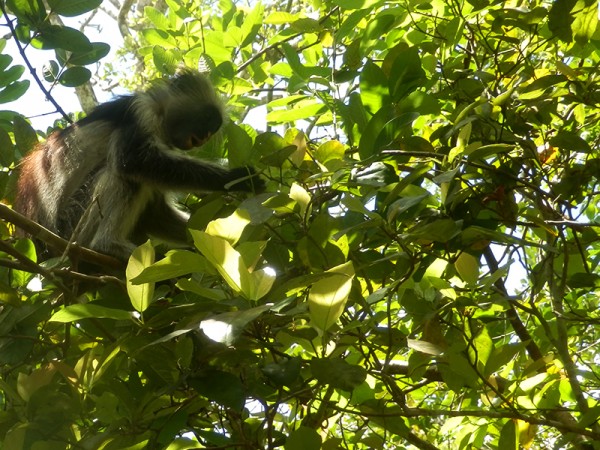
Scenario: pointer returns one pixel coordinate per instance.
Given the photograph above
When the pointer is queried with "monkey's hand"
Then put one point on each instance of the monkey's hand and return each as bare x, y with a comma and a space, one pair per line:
245, 179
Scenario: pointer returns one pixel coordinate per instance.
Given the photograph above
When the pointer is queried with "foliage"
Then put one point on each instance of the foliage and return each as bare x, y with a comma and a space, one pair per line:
422, 271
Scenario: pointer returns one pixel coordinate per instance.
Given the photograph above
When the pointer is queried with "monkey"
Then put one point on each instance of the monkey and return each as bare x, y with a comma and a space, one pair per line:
107, 181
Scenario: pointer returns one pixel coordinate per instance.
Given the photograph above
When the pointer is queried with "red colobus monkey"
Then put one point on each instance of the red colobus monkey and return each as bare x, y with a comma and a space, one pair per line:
108, 176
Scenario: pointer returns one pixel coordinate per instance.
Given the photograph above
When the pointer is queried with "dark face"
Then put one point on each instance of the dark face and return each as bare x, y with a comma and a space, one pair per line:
192, 125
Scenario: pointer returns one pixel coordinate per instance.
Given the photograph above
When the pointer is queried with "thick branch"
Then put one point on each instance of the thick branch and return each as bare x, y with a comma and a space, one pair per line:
43, 234
511, 314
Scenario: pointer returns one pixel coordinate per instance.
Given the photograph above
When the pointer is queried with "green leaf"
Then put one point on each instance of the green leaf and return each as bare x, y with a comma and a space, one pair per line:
99, 50
175, 264
230, 264
73, 313
75, 76
327, 297
337, 373
306, 25
382, 130
223, 257
441, 230
230, 228
176, 7
165, 60
279, 157
467, 267
301, 197
8, 295
268, 142
280, 18
540, 86
51, 71
25, 136
293, 59
238, 139
11, 75
373, 88
159, 38
356, 4
7, 149
485, 151
406, 74
72, 8
141, 295
425, 347
5, 61
221, 387
27, 249
584, 280
61, 37
284, 372
570, 141
330, 150
252, 24
509, 436
459, 372
303, 438
227, 327
14, 91
586, 21
158, 18
484, 346
30, 11
302, 110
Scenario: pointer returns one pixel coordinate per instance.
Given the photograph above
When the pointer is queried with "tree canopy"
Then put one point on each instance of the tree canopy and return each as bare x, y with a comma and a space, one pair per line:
421, 272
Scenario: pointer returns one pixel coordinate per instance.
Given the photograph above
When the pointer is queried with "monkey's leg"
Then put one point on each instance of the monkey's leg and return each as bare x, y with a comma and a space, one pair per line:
161, 219
117, 205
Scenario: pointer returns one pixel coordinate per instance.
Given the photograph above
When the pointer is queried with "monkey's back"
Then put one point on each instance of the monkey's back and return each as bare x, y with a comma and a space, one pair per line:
53, 187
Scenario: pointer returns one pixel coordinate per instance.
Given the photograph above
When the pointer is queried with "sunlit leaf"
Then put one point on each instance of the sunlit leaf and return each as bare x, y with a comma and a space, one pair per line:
74, 313
327, 297
467, 267
229, 228
140, 294
226, 327
175, 264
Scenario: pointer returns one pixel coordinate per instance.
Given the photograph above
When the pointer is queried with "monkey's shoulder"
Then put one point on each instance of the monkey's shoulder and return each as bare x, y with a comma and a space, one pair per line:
117, 112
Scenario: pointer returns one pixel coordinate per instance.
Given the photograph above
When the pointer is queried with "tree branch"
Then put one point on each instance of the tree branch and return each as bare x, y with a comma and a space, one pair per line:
53, 240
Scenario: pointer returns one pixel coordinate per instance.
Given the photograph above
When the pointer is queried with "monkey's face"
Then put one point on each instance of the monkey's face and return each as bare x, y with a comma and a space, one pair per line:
191, 125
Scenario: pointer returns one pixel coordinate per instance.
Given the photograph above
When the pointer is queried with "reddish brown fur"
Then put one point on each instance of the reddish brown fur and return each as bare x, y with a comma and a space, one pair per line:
33, 170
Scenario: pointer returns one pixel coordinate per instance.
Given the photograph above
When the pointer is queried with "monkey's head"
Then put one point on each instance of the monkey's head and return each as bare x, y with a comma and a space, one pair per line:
189, 126
192, 110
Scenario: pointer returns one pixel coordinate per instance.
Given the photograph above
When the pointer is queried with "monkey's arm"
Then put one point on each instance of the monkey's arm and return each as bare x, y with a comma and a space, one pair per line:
154, 163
